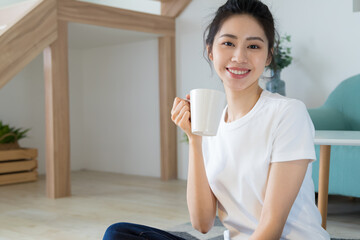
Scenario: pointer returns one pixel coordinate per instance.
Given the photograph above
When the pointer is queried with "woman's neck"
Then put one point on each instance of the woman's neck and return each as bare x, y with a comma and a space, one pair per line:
241, 102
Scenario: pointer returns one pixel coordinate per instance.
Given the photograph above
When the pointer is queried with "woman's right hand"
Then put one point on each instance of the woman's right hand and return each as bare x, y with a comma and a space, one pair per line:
180, 114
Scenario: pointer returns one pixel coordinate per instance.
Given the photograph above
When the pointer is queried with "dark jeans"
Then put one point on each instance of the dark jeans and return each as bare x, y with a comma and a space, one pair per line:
130, 231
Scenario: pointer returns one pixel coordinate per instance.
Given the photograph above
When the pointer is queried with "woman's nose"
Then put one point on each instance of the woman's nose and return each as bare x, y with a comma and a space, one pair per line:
239, 55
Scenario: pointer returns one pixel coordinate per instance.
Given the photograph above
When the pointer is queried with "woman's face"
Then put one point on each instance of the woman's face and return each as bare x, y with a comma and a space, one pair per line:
240, 52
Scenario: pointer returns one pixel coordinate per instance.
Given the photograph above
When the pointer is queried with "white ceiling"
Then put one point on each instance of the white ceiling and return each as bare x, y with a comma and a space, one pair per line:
11, 13
83, 36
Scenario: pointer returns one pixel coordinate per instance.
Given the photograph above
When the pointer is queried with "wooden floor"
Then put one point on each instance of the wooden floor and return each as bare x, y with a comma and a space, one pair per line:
100, 199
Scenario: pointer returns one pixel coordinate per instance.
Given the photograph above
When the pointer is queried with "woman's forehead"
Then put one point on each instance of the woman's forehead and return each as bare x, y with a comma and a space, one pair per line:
242, 26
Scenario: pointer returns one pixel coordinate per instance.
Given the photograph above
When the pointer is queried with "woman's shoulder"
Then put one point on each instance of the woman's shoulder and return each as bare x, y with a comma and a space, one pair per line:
282, 103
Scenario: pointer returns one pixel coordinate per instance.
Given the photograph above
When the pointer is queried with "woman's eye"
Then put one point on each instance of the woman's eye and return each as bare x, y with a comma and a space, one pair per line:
228, 44
254, 46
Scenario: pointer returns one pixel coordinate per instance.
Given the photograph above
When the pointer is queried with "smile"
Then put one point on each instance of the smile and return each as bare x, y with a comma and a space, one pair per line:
238, 72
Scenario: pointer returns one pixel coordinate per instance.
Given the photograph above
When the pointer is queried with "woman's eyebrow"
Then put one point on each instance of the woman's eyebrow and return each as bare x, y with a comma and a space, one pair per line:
255, 38
235, 37
228, 35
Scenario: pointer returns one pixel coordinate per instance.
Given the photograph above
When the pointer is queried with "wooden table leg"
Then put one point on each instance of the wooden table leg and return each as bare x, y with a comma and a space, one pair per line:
324, 168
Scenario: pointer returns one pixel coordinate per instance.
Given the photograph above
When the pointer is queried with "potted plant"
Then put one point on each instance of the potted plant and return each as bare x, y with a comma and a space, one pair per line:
282, 58
9, 136
17, 164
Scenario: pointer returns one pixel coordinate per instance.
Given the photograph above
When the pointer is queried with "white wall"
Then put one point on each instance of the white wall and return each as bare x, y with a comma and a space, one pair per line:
121, 109
76, 90
325, 44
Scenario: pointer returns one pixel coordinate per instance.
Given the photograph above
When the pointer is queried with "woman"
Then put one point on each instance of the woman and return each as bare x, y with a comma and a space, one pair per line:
256, 172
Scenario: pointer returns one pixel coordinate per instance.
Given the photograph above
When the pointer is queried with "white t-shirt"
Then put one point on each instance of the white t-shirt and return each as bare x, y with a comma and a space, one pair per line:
237, 160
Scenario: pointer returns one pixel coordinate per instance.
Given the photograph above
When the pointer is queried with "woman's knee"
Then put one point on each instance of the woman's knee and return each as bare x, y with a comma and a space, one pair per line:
117, 228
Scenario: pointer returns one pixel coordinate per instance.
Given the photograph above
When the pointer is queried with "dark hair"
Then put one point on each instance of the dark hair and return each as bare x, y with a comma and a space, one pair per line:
254, 8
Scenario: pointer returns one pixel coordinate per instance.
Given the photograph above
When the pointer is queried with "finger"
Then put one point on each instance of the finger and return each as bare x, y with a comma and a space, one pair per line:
184, 120
181, 113
185, 109
188, 96
178, 108
176, 102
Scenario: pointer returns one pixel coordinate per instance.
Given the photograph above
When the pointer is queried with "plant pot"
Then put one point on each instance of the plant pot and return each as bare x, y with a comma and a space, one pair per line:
275, 84
9, 146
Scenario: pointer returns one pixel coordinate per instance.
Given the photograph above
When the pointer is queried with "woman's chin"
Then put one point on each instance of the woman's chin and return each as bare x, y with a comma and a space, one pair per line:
242, 87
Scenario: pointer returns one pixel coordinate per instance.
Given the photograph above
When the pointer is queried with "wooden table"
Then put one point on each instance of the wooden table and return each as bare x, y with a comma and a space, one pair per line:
325, 139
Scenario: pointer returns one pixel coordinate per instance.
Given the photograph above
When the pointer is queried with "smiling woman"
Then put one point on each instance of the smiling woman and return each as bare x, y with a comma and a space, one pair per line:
256, 172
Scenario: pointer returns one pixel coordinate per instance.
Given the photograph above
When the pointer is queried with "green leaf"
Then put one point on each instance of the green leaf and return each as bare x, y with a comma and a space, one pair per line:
185, 138
18, 133
282, 53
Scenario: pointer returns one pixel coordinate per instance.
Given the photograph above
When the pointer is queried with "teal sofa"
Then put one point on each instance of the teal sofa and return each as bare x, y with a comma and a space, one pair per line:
341, 111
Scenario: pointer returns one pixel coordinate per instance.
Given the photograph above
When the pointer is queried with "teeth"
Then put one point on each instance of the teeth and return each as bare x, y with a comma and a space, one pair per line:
237, 72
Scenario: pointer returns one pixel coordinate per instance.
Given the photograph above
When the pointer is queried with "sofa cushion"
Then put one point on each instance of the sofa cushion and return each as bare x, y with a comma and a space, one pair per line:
325, 118
346, 99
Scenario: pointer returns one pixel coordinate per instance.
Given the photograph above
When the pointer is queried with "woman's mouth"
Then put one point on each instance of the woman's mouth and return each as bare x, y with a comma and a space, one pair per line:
238, 73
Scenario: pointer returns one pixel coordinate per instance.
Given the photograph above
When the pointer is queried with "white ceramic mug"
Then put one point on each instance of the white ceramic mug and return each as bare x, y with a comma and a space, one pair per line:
206, 107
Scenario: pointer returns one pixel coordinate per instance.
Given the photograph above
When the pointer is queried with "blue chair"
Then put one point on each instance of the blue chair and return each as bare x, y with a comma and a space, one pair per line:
341, 111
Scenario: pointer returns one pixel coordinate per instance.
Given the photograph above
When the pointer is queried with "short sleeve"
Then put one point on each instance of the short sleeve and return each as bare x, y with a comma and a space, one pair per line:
294, 134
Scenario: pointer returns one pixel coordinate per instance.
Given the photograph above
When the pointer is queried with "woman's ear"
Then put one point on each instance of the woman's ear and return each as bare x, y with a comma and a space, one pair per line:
210, 55
270, 57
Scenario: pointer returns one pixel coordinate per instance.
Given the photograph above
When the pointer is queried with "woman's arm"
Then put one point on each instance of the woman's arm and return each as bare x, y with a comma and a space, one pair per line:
284, 182
200, 199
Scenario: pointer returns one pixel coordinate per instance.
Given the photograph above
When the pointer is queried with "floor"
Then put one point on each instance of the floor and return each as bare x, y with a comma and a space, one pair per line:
100, 199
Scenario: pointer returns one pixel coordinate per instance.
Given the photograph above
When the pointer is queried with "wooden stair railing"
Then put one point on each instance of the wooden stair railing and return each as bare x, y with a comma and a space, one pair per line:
26, 39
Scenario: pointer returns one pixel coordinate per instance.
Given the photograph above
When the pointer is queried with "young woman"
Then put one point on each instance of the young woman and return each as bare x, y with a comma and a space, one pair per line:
256, 172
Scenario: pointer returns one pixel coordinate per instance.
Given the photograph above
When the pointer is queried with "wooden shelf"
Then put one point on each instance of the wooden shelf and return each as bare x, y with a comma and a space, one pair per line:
18, 165
18, 177
16, 154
